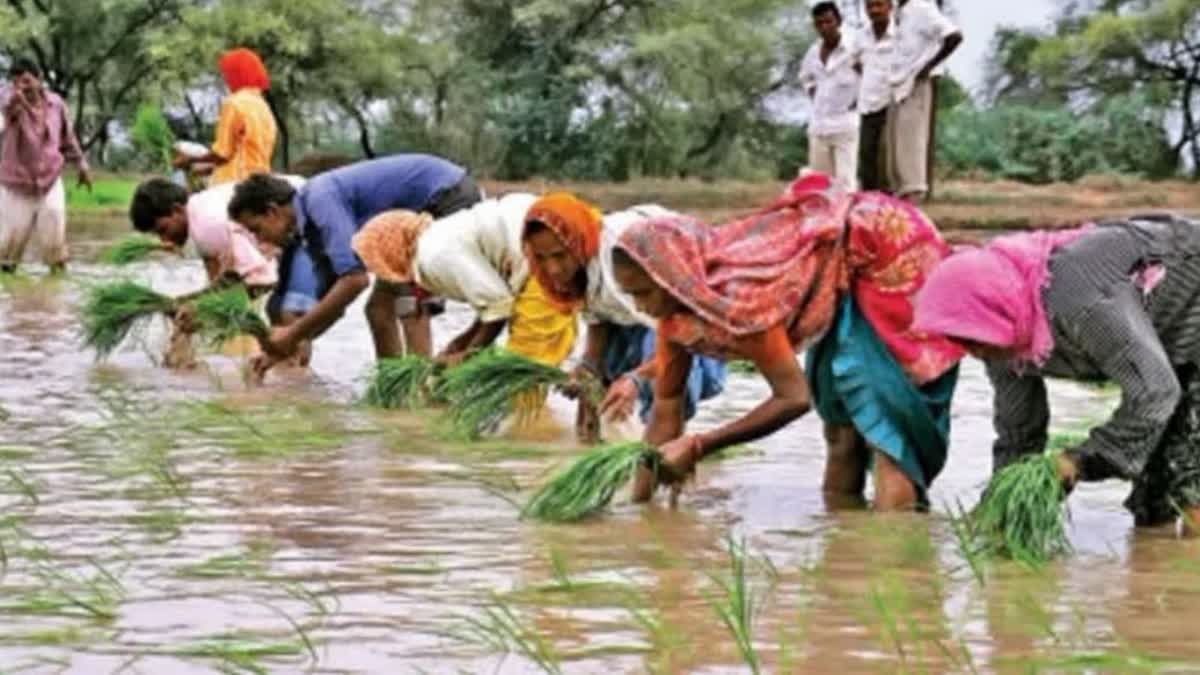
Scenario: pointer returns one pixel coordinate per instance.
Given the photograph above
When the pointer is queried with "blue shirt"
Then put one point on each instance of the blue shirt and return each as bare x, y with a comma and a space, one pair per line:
331, 208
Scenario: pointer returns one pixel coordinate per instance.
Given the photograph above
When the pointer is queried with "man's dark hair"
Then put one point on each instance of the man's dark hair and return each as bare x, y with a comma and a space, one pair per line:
154, 199
21, 66
827, 7
258, 193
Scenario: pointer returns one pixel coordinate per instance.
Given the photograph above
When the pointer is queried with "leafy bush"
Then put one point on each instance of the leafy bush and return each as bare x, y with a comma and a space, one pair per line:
152, 136
1045, 145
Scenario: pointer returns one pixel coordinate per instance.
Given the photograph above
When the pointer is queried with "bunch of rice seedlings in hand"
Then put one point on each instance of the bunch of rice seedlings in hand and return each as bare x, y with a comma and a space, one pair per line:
131, 249
223, 315
112, 310
1022, 514
404, 383
491, 386
587, 486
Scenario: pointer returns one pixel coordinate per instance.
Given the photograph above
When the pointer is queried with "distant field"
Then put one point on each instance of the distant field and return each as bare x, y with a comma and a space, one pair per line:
958, 205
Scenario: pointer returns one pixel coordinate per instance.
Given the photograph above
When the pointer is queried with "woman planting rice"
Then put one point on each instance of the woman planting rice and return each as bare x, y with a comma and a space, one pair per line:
1115, 302
473, 256
818, 266
570, 249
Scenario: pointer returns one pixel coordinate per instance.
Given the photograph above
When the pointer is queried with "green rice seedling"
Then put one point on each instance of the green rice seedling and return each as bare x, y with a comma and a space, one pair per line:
501, 630
131, 249
223, 315
493, 385
736, 602
113, 310
588, 484
253, 562
240, 651
741, 368
962, 525
402, 383
1022, 514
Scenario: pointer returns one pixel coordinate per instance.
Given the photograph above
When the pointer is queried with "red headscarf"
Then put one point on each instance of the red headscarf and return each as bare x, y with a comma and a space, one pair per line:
790, 265
577, 225
243, 69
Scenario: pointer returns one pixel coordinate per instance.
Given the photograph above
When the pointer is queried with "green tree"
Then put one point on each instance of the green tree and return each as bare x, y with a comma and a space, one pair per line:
1108, 48
95, 54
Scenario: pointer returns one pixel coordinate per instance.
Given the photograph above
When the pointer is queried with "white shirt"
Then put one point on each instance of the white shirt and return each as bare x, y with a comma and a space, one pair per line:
215, 237
606, 302
921, 28
476, 256
876, 55
836, 82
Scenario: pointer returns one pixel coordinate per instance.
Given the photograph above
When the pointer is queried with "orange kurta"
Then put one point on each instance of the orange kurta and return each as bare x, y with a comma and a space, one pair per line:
246, 134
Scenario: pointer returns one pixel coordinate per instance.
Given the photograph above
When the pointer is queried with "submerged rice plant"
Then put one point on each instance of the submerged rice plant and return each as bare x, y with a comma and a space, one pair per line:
736, 602
131, 249
588, 484
501, 630
405, 382
113, 310
225, 314
491, 386
1022, 514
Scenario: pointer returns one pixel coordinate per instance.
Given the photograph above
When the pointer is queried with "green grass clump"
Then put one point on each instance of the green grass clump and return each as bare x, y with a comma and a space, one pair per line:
491, 386
402, 383
1022, 514
223, 315
106, 193
131, 249
113, 310
587, 486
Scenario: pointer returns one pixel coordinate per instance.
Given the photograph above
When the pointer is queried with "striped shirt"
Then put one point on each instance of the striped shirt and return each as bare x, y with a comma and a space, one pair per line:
1110, 325
246, 135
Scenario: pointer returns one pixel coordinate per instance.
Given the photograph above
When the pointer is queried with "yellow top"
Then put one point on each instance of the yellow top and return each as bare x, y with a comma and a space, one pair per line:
246, 135
538, 329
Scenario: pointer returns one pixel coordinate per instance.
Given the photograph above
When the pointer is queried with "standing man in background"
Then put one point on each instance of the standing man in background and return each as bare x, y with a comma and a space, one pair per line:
830, 75
925, 38
38, 142
877, 48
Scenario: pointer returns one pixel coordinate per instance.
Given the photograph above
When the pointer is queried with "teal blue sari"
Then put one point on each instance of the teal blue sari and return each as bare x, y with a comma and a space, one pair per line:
855, 381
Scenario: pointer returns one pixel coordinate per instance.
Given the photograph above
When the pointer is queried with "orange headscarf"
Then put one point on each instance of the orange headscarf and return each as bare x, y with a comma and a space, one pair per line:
577, 225
242, 69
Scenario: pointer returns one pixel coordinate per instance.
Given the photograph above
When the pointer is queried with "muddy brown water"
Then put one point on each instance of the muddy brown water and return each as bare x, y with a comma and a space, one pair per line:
157, 522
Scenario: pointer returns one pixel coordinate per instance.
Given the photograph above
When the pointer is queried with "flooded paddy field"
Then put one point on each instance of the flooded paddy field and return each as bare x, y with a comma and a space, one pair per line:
159, 522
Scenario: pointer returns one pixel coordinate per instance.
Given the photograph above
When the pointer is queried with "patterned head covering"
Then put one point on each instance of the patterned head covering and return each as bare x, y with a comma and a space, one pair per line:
387, 244
577, 225
791, 264
242, 68
993, 295
752, 274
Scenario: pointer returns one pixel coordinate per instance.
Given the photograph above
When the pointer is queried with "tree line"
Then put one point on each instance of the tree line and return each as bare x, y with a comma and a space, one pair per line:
608, 89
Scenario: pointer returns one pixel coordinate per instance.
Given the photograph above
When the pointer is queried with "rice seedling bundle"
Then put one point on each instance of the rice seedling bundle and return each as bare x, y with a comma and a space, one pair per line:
1022, 514
405, 383
131, 249
493, 385
112, 310
225, 314
588, 484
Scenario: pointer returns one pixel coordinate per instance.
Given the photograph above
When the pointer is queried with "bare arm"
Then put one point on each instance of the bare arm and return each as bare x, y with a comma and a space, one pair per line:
949, 45
790, 399
329, 309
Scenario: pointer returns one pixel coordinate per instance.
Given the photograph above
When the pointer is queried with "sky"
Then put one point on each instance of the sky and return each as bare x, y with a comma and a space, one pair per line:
979, 20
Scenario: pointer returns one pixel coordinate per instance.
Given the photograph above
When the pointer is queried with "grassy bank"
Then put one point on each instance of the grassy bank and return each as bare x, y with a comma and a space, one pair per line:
958, 205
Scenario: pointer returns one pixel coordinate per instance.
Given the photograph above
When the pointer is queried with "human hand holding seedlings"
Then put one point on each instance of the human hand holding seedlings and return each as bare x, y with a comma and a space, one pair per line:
1067, 468
620, 399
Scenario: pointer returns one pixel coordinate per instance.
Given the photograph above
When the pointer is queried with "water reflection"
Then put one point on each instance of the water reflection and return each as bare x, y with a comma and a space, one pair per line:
405, 538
